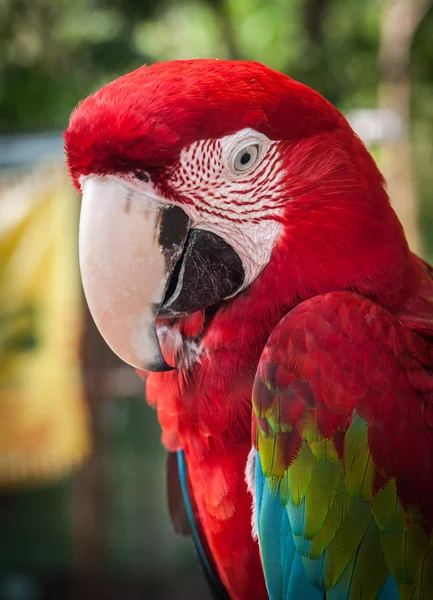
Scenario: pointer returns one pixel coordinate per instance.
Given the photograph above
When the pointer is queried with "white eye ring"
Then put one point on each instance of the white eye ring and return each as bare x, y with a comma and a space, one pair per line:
246, 158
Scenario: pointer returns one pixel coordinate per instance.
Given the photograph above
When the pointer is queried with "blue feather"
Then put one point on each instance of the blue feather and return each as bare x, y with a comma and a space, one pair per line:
218, 590
297, 517
303, 546
287, 550
289, 575
315, 570
389, 590
197, 541
299, 587
270, 524
285, 575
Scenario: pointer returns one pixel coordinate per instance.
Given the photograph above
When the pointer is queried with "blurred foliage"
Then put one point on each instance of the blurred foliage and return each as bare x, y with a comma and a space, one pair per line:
422, 126
55, 52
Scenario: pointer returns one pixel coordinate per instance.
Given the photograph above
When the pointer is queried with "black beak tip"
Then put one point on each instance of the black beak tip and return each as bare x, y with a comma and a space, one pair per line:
159, 366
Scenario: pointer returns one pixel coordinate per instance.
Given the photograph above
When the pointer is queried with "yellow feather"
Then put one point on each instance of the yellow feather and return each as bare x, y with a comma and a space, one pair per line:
268, 449
298, 477
309, 429
320, 496
324, 449
334, 519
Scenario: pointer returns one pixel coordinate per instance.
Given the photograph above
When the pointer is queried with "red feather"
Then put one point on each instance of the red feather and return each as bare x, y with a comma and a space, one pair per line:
170, 105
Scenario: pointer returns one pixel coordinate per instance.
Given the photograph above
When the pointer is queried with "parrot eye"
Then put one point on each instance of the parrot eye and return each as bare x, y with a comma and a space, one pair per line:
246, 158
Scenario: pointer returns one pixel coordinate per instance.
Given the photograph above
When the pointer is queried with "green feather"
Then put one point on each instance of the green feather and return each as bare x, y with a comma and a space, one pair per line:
388, 511
298, 476
346, 541
320, 496
271, 455
334, 520
424, 589
369, 560
309, 428
358, 464
341, 530
324, 449
405, 553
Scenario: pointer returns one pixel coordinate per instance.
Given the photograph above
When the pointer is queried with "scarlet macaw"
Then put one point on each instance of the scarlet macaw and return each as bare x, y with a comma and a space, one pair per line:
238, 248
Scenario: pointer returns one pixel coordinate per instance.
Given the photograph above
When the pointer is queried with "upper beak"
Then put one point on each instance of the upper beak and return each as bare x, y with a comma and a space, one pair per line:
129, 246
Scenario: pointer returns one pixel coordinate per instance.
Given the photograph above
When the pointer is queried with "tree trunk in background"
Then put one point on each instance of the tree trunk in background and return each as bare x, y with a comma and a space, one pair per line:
313, 13
400, 22
88, 510
316, 72
223, 16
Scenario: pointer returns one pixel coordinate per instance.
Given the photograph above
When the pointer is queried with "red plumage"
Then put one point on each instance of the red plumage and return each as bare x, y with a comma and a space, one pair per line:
171, 105
338, 353
341, 243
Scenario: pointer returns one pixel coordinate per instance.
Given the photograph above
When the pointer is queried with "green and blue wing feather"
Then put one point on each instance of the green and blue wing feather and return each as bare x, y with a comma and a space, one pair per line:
331, 523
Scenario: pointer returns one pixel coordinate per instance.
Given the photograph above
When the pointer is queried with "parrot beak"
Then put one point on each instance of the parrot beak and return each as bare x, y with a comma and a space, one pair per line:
139, 259
128, 246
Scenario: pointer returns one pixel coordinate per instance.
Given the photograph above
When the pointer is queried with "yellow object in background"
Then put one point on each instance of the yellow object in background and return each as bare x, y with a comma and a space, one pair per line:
43, 420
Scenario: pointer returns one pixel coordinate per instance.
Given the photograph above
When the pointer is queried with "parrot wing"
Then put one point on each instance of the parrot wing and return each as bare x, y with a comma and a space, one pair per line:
341, 468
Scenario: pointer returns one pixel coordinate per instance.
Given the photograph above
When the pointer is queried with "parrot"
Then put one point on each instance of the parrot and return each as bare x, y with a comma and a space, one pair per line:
238, 248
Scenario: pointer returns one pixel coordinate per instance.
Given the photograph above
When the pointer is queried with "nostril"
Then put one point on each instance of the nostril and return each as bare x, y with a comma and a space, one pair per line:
142, 176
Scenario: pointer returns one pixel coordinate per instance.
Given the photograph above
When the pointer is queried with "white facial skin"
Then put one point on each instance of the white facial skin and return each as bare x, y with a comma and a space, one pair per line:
234, 200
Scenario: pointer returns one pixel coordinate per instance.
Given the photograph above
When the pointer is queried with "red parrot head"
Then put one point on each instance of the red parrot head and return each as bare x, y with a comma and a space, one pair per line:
207, 180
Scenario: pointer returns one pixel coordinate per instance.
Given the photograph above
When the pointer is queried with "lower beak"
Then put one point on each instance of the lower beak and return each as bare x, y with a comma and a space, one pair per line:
139, 260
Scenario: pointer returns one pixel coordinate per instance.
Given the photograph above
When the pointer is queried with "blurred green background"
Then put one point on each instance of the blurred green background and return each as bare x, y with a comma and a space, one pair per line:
105, 532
